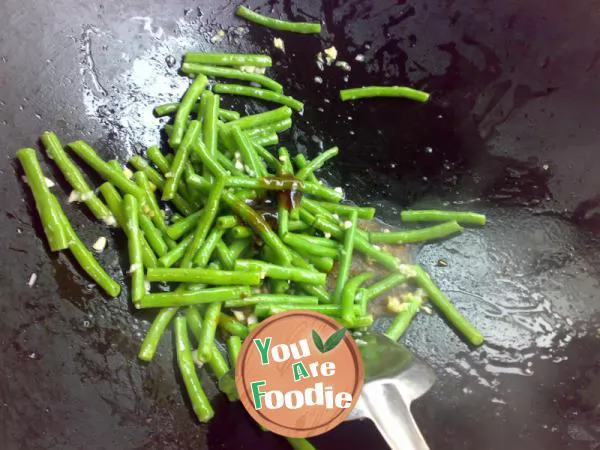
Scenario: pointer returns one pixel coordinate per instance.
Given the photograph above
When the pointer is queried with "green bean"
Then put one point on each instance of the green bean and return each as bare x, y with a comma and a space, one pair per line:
383, 285
208, 216
452, 315
238, 247
208, 161
205, 276
217, 362
209, 328
260, 226
345, 258
272, 299
269, 159
176, 218
226, 222
301, 162
114, 202
83, 256
208, 247
240, 232
296, 225
156, 330
384, 258
321, 263
157, 179
185, 108
264, 310
150, 207
276, 24
74, 176
228, 59
432, 215
317, 163
281, 272
50, 216
184, 226
345, 210
262, 94
87, 153
403, 319
260, 119
249, 156
359, 322
134, 243
283, 184
298, 242
283, 155
176, 253
232, 326
384, 91
236, 74
165, 109
228, 115
409, 236
209, 123
153, 236
180, 160
200, 403
275, 127
224, 256
349, 295
234, 345
227, 164
209, 295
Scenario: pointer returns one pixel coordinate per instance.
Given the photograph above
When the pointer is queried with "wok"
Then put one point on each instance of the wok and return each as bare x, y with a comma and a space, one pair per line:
512, 132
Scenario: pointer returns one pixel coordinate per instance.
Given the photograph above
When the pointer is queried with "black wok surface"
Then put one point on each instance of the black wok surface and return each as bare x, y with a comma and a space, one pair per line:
512, 131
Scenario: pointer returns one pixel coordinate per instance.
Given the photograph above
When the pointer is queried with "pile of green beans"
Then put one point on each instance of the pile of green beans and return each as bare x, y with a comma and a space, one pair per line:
248, 232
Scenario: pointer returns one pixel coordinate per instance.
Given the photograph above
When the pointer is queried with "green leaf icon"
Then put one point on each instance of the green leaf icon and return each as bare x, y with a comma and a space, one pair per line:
318, 341
331, 343
334, 340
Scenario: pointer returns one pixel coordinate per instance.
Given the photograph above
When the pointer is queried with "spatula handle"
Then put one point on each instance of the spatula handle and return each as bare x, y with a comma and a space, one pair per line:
386, 407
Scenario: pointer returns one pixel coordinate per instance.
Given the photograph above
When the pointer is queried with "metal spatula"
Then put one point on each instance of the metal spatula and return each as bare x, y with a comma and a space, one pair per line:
394, 377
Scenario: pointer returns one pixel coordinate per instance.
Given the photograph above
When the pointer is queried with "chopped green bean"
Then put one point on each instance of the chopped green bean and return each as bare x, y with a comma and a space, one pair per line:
75, 177
409, 236
228, 59
431, 215
275, 127
383, 285
234, 345
209, 295
209, 328
403, 319
280, 272
228, 115
384, 91
184, 226
299, 243
345, 257
153, 236
249, 156
176, 253
232, 326
349, 295
301, 162
134, 243
165, 109
156, 330
236, 74
345, 210
260, 119
262, 94
205, 276
114, 201
217, 362
317, 163
87, 153
208, 216
150, 206
272, 299
185, 108
276, 24
448, 310
200, 404
268, 309
209, 123
50, 216
180, 160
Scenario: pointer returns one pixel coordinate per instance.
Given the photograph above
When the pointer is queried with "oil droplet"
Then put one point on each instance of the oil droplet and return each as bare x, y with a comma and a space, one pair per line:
171, 61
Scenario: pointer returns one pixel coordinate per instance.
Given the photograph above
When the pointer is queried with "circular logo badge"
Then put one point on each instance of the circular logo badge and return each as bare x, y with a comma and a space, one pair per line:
299, 374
